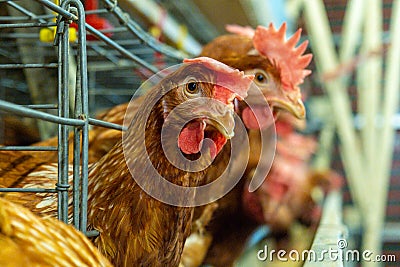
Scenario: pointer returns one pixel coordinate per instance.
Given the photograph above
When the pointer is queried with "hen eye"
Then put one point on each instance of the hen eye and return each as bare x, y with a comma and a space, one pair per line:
192, 87
261, 77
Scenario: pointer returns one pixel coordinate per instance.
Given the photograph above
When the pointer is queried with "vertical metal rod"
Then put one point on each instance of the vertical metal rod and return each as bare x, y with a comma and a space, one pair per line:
59, 113
62, 185
82, 111
77, 149
77, 146
91, 84
85, 113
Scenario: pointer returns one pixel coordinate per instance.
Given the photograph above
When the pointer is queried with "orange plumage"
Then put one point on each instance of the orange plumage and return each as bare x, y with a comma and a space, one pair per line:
29, 240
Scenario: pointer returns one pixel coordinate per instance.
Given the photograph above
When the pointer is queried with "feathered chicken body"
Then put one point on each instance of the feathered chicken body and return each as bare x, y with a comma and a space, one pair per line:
29, 240
136, 229
285, 196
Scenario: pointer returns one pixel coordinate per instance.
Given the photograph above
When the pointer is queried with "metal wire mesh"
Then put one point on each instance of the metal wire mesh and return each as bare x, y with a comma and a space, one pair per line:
84, 67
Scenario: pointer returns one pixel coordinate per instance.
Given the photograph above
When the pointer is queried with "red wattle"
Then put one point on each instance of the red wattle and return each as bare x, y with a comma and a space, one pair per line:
190, 138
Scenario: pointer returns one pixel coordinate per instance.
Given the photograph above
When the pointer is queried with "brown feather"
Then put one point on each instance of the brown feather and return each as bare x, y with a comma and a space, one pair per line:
28, 240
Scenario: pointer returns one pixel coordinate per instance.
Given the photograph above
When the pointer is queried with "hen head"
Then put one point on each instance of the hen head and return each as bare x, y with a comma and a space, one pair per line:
197, 102
278, 66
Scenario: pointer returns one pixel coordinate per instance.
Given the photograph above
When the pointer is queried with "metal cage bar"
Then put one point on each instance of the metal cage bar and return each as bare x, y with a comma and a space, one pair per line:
62, 186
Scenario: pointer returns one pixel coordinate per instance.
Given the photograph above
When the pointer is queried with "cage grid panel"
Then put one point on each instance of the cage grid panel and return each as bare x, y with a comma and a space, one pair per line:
63, 119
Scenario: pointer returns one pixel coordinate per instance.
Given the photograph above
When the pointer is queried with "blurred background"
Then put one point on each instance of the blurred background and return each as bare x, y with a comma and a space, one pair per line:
349, 143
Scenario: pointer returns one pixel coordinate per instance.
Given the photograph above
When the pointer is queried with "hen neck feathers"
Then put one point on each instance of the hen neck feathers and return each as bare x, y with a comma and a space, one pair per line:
130, 219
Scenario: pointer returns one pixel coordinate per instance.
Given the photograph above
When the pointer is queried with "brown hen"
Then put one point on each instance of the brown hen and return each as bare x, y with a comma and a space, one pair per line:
135, 228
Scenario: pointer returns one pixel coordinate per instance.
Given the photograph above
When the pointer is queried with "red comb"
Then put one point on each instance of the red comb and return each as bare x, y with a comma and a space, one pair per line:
289, 59
232, 79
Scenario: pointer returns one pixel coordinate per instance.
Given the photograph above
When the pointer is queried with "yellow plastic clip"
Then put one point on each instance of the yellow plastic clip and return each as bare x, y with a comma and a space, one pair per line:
47, 35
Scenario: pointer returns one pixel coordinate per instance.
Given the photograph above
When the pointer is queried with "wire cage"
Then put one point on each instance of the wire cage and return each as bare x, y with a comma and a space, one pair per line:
92, 66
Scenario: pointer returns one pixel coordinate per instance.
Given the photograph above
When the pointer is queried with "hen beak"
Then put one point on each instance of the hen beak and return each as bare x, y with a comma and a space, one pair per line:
294, 107
223, 125
220, 117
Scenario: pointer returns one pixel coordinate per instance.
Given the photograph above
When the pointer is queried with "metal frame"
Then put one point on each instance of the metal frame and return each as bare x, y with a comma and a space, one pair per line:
80, 123
73, 11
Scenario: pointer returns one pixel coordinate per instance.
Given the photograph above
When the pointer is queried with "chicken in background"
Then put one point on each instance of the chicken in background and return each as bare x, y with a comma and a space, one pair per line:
279, 69
29, 240
136, 229
293, 186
